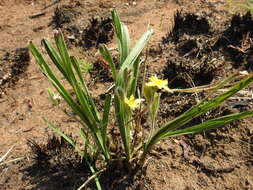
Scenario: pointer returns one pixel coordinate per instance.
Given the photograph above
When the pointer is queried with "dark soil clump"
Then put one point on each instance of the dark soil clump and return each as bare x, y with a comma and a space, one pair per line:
13, 66
99, 31
55, 166
196, 58
191, 60
236, 41
21, 55
189, 24
101, 71
63, 15
184, 74
55, 155
118, 177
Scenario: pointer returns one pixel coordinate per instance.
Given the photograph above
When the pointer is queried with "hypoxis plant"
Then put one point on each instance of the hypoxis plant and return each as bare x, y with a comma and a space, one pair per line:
127, 104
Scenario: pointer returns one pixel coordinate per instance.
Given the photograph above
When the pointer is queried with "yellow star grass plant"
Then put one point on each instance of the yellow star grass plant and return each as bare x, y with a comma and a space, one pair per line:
96, 150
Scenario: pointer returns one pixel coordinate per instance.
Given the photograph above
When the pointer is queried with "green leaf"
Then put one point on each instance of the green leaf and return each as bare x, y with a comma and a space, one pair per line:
84, 107
62, 48
83, 94
122, 36
56, 83
136, 50
154, 106
123, 115
130, 61
134, 77
211, 124
55, 58
105, 119
108, 57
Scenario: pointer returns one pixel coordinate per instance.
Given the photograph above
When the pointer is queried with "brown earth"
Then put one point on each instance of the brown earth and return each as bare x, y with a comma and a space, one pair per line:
203, 47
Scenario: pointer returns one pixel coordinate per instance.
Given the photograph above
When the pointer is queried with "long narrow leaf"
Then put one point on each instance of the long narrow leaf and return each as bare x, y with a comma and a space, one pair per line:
86, 141
90, 103
122, 36
56, 83
108, 57
77, 68
218, 86
106, 116
125, 43
58, 61
133, 56
137, 49
83, 110
62, 48
134, 78
122, 118
91, 113
211, 124
55, 58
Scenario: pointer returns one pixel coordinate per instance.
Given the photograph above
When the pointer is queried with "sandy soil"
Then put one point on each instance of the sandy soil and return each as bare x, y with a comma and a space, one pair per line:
219, 159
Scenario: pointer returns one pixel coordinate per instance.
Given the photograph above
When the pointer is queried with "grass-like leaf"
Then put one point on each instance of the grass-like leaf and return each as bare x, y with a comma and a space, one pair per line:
122, 36
108, 57
84, 107
211, 124
194, 112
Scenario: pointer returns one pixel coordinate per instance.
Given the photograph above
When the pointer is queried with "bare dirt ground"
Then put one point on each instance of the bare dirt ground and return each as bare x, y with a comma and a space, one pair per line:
197, 51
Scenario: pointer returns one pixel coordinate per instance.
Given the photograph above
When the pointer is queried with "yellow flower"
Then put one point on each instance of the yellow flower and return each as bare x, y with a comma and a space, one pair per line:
133, 103
158, 83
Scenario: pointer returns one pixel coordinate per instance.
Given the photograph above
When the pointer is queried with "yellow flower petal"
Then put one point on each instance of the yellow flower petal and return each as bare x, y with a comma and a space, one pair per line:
133, 103
158, 83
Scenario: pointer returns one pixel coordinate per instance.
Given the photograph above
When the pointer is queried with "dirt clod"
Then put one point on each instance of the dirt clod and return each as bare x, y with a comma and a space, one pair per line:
101, 71
183, 73
55, 165
189, 24
236, 41
63, 15
56, 154
191, 59
99, 31
13, 66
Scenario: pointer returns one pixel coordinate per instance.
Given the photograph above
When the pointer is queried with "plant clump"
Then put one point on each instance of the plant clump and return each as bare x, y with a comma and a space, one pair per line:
127, 104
